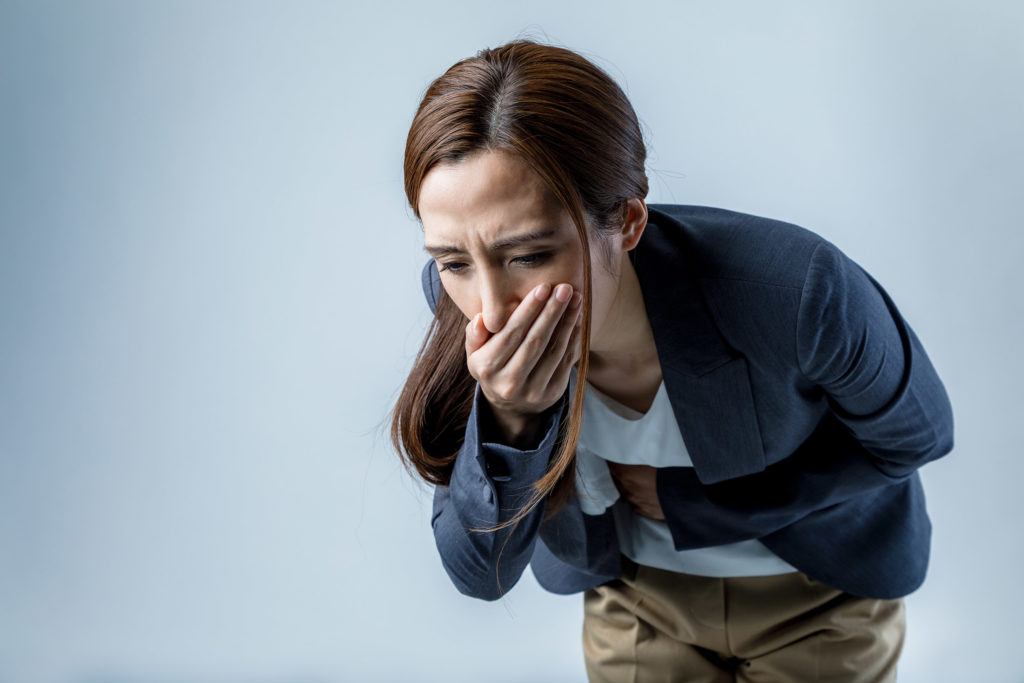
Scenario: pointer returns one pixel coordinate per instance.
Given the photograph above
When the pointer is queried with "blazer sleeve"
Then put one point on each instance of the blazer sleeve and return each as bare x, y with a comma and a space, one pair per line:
853, 343
490, 483
888, 415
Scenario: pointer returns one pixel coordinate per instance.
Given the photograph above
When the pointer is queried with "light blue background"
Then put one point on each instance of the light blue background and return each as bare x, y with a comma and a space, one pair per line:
209, 297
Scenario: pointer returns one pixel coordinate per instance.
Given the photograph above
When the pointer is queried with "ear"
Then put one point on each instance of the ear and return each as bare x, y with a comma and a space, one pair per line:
636, 221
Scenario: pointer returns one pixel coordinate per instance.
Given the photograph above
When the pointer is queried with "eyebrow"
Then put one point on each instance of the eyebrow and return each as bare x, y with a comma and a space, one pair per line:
500, 245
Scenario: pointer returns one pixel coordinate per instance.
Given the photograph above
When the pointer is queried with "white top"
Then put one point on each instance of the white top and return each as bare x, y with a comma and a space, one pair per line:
612, 431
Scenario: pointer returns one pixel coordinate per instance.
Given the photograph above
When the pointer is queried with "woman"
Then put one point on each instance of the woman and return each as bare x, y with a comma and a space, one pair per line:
709, 422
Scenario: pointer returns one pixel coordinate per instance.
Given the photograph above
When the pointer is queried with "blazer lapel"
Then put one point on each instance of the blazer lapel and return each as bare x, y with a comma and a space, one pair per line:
706, 381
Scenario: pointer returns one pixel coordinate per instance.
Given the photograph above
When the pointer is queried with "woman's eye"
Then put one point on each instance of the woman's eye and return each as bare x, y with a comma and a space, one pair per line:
452, 267
531, 259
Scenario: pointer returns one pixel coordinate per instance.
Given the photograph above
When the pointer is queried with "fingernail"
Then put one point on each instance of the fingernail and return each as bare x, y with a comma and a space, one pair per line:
542, 291
562, 292
577, 299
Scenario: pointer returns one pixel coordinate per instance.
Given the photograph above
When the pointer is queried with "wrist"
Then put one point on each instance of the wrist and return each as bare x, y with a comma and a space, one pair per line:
522, 431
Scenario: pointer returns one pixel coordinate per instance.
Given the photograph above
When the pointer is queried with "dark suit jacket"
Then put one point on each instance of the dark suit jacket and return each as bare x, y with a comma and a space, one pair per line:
805, 401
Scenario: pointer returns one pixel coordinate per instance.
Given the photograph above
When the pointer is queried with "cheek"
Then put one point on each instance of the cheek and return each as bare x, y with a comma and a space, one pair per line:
460, 297
572, 272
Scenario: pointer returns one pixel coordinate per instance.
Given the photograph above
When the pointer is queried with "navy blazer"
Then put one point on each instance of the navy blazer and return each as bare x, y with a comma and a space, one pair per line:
805, 401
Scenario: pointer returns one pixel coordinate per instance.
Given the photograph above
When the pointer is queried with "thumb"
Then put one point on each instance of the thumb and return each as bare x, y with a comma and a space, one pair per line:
476, 334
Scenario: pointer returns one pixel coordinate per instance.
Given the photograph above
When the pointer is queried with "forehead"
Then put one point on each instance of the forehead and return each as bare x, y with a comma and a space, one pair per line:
484, 197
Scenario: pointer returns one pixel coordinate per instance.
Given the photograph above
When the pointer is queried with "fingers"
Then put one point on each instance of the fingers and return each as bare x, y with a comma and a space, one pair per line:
638, 485
560, 377
562, 350
539, 331
476, 334
541, 337
507, 340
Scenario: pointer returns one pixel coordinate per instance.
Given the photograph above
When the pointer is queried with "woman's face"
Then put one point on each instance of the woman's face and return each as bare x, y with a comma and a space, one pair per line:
496, 232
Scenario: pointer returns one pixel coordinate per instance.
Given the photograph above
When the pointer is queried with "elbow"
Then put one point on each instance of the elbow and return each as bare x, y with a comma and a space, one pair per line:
942, 430
935, 404
901, 461
489, 595
470, 566
481, 585
931, 439
481, 565
940, 442
944, 441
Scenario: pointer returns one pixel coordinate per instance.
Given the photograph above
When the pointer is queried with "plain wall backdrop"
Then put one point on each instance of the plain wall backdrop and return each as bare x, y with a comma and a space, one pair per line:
209, 299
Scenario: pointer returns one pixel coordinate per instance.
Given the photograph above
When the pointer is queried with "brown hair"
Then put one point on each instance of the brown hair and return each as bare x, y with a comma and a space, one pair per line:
576, 129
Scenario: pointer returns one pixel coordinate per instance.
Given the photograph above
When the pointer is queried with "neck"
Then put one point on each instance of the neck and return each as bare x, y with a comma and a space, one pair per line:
625, 340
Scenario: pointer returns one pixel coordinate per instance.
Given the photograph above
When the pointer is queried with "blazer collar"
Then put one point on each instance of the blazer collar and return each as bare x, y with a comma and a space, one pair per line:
707, 381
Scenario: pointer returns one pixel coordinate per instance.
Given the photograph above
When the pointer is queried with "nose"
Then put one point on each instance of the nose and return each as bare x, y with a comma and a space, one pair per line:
497, 301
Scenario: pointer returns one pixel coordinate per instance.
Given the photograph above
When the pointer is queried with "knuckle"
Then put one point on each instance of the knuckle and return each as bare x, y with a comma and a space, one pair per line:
532, 345
507, 389
484, 372
542, 397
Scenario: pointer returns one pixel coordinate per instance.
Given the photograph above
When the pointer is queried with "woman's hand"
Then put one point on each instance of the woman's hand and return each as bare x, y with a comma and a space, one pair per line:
638, 485
524, 367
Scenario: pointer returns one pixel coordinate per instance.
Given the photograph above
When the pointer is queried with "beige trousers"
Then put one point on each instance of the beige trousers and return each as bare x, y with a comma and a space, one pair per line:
657, 626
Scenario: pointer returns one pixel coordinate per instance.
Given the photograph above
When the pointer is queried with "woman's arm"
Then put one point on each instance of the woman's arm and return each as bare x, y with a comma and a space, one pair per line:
853, 342
522, 371
889, 414
489, 485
